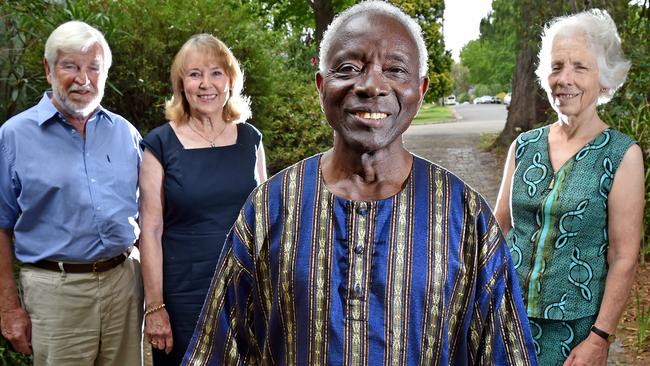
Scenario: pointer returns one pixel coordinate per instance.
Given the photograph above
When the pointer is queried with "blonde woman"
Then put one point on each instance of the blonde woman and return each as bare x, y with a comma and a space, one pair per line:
196, 173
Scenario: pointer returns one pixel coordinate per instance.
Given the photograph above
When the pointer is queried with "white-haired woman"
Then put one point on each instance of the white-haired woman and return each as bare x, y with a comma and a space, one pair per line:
572, 196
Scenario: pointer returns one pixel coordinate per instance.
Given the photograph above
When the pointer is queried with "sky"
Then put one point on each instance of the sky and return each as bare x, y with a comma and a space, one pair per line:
461, 22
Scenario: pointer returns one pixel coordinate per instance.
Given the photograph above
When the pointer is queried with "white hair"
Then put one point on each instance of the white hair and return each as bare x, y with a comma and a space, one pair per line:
378, 7
75, 36
599, 30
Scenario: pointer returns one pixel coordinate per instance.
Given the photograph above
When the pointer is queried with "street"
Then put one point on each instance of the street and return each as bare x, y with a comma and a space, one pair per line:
482, 112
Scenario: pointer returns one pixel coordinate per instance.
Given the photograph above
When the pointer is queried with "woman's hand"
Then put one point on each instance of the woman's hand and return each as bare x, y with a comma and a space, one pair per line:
158, 331
590, 352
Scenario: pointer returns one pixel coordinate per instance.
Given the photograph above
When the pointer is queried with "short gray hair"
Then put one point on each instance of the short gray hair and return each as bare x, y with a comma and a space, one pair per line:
378, 7
599, 30
75, 36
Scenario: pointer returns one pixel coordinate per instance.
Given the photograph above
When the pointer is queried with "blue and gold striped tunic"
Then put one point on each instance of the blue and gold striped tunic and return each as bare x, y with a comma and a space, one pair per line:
308, 278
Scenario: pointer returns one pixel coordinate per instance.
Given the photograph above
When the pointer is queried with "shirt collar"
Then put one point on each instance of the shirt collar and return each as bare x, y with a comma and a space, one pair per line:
47, 111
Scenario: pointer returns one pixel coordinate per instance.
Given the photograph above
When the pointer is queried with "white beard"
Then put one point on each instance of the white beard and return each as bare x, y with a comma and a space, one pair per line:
78, 110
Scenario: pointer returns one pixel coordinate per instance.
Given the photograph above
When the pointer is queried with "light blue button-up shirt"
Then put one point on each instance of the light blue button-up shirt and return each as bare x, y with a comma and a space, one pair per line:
67, 198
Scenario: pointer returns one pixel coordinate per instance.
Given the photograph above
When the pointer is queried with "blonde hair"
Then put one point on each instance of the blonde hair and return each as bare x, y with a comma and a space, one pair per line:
237, 106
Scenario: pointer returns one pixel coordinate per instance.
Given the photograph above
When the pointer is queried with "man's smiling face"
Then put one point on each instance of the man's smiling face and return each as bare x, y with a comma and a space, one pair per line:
371, 90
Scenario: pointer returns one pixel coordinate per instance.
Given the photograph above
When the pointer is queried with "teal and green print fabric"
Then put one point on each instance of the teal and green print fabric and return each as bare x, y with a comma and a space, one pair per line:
308, 278
558, 241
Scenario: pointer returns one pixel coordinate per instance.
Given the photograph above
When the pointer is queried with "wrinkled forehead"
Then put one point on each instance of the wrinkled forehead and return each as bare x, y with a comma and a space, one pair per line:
375, 32
92, 50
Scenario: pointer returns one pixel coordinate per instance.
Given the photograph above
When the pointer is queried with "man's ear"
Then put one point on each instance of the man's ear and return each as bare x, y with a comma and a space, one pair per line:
48, 71
424, 87
319, 86
319, 82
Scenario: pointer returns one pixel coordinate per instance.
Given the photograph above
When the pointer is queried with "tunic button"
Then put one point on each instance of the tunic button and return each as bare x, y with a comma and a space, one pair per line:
357, 290
358, 249
361, 210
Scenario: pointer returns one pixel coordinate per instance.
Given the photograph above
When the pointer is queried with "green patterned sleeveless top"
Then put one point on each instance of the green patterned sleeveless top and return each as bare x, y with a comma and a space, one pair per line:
558, 239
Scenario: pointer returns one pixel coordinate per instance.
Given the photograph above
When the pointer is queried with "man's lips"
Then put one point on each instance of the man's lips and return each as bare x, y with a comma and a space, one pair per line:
369, 115
81, 91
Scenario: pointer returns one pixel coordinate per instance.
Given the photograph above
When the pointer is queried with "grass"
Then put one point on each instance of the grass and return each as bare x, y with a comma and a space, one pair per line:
430, 113
643, 322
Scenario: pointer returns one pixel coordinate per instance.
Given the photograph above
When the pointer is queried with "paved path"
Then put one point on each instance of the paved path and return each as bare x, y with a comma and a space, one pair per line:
455, 146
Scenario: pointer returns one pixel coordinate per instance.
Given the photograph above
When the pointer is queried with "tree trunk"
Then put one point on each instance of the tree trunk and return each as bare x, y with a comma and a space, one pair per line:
529, 102
324, 13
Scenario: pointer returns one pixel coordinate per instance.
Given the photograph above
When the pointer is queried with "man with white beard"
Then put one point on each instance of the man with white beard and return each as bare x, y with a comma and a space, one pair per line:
68, 213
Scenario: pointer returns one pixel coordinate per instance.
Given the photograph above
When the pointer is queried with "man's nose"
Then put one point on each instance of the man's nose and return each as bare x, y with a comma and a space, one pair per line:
371, 83
82, 77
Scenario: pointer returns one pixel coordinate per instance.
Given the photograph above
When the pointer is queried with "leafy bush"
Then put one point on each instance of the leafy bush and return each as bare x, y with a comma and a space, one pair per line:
11, 358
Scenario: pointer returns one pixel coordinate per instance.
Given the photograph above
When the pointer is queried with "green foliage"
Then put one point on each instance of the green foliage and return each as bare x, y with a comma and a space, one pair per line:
22, 26
642, 322
491, 59
295, 17
483, 89
300, 125
460, 78
429, 14
11, 358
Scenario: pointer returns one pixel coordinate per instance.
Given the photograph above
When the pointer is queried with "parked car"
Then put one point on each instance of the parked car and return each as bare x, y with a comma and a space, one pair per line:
506, 100
450, 100
486, 99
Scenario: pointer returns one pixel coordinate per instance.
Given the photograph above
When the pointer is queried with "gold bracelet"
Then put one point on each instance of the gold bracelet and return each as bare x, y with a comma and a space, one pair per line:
154, 309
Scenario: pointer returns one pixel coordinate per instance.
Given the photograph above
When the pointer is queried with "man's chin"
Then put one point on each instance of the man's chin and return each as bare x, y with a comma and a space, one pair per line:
79, 110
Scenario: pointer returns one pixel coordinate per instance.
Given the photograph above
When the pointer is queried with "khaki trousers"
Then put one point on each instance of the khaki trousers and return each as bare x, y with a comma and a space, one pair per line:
85, 318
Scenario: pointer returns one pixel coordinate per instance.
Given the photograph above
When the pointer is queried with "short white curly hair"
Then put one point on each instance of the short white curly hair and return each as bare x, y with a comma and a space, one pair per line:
599, 30
377, 7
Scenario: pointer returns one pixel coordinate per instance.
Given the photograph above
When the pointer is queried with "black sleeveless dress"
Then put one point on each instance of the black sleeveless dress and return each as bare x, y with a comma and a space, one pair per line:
204, 190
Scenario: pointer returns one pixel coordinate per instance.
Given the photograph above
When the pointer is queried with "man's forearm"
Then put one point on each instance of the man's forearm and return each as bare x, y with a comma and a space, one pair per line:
8, 293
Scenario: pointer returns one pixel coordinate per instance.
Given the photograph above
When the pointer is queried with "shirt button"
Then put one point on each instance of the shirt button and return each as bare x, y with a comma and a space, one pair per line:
92, 180
358, 249
99, 208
